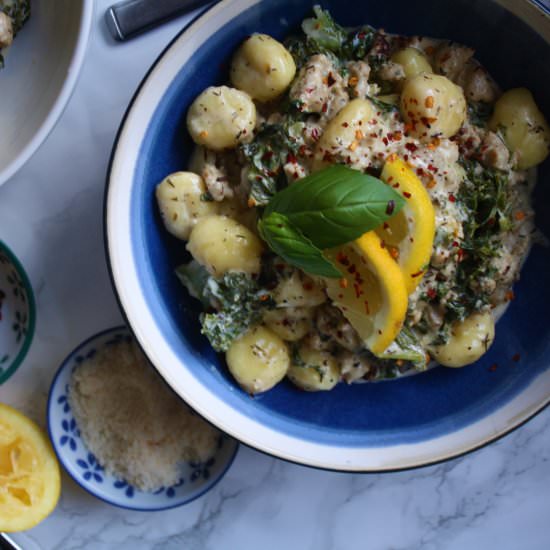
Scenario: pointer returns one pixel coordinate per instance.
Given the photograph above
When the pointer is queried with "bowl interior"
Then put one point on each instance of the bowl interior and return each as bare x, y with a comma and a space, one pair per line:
17, 313
36, 68
412, 409
81, 464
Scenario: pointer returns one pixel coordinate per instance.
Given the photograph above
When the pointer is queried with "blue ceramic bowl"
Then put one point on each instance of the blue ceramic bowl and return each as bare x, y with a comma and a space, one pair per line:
405, 423
83, 467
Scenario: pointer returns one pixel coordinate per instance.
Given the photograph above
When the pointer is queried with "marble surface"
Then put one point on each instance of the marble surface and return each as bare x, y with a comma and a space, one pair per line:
51, 216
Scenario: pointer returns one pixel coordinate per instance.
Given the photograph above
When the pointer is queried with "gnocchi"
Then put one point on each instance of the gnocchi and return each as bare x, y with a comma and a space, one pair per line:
289, 323
262, 67
413, 61
523, 127
222, 244
258, 360
342, 130
221, 118
469, 340
298, 290
317, 370
181, 201
433, 106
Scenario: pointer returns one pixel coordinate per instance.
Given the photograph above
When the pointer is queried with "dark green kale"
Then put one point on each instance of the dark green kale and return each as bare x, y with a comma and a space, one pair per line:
18, 10
383, 106
237, 302
271, 149
324, 36
484, 196
407, 347
479, 113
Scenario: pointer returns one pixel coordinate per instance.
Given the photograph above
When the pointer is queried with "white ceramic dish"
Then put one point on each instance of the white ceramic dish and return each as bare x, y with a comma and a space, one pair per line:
41, 71
197, 478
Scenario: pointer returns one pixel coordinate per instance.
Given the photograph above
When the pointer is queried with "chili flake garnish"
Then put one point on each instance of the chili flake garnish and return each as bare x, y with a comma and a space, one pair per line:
390, 208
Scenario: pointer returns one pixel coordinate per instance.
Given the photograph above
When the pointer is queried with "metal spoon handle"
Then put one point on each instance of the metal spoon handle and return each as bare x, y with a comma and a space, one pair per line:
132, 17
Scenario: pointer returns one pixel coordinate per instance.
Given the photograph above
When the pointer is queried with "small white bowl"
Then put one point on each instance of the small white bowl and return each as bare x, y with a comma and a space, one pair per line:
83, 467
17, 313
41, 70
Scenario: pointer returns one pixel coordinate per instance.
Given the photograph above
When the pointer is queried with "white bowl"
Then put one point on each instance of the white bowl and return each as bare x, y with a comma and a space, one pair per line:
41, 69
197, 477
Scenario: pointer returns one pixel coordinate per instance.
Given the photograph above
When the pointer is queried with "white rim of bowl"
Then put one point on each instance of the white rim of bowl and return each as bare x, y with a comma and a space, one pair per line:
62, 100
126, 283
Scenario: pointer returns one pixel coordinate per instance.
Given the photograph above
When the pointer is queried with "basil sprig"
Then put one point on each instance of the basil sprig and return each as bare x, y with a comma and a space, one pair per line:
326, 209
293, 246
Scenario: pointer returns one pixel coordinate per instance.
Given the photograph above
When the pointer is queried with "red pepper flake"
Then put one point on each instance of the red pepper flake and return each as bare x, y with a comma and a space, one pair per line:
342, 258
516, 357
493, 367
352, 269
308, 285
315, 134
251, 203
406, 158
345, 124
291, 158
452, 198
385, 141
417, 274
510, 295
343, 283
397, 135
330, 80
411, 147
406, 194
394, 252
390, 208
359, 135
382, 243
429, 102
431, 183
367, 309
386, 225
419, 172
264, 297
455, 244
519, 215
431, 293
358, 290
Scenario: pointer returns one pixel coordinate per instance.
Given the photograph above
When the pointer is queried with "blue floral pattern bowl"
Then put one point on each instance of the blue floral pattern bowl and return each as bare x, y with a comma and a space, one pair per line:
84, 468
17, 313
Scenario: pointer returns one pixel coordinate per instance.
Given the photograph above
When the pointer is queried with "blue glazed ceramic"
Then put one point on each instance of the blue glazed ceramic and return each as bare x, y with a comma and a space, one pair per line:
84, 468
368, 427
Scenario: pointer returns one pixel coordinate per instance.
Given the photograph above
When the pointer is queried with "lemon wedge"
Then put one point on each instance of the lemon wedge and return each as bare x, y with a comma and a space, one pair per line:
30, 481
372, 294
409, 235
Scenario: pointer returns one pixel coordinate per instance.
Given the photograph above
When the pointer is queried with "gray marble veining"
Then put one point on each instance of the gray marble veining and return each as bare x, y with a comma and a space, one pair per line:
51, 215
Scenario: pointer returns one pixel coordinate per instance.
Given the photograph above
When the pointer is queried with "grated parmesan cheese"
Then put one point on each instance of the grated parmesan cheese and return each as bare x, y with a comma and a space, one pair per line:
138, 429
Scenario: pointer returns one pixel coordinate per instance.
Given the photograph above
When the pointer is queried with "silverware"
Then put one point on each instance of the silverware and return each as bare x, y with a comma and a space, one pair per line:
7, 543
132, 17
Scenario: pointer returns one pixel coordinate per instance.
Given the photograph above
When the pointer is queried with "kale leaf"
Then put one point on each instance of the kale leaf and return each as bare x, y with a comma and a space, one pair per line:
324, 36
266, 155
237, 302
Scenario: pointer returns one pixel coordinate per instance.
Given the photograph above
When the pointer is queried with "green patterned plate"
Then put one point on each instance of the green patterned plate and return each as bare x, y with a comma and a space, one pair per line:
17, 313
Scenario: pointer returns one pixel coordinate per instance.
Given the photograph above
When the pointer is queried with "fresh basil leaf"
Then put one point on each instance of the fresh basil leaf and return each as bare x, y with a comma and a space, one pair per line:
336, 205
293, 247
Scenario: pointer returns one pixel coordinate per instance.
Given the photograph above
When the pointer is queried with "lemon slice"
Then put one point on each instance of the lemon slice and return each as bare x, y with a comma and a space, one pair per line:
372, 294
29, 473
409, 235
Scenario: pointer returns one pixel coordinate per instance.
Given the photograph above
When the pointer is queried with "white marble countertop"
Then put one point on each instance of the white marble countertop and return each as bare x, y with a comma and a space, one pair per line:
51, 216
